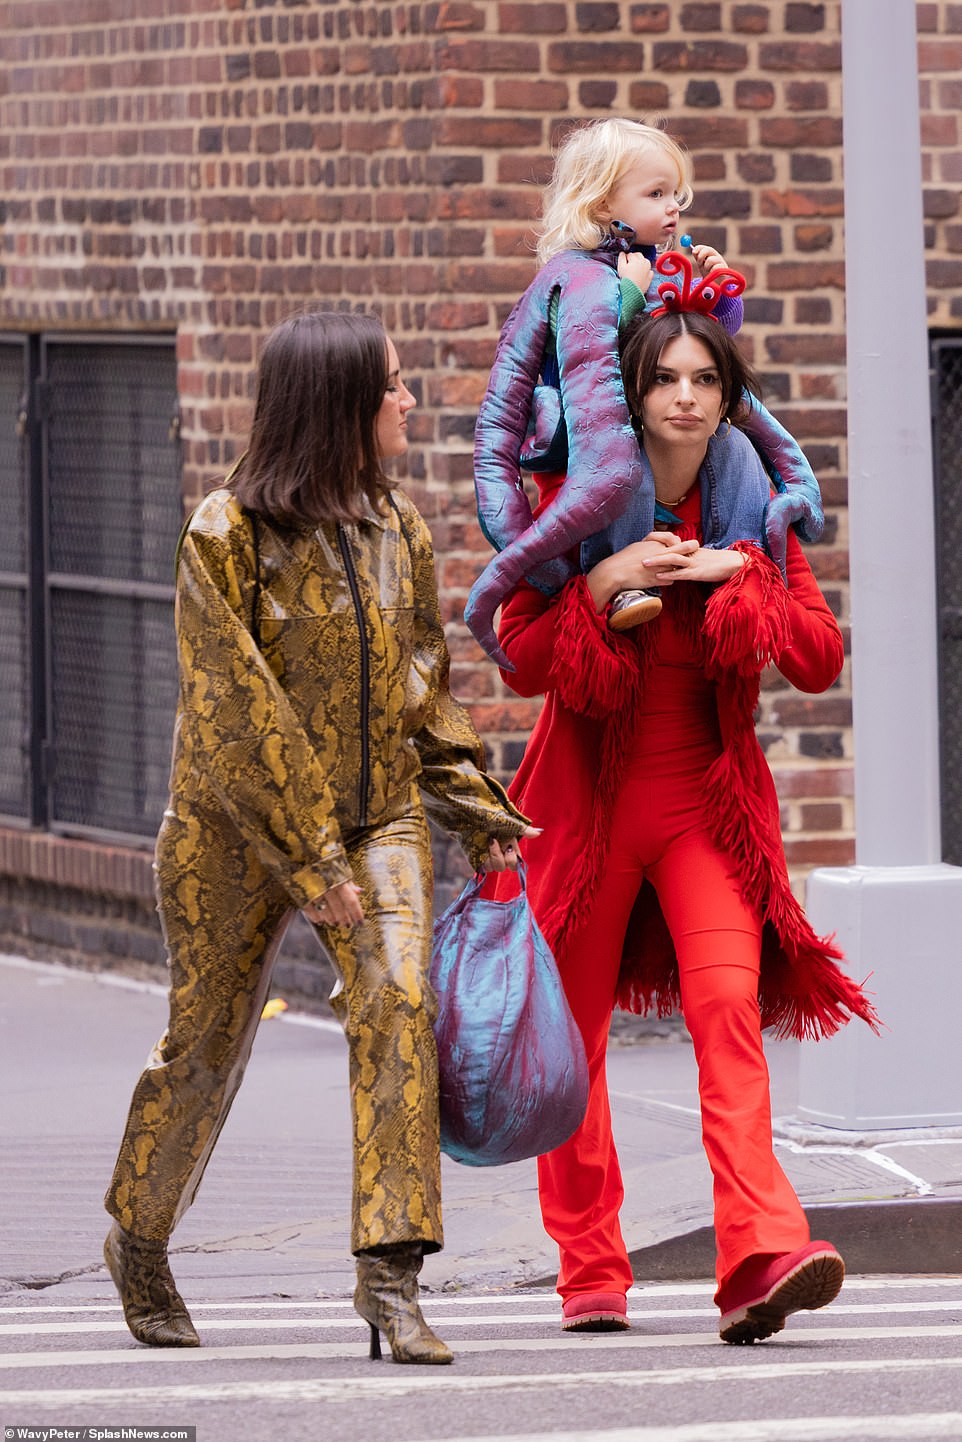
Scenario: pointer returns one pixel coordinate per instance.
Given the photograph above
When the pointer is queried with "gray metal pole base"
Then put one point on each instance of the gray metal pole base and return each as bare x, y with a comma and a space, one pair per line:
901, 930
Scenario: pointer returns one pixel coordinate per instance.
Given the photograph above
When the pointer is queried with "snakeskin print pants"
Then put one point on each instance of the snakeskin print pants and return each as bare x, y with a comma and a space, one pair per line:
224, 917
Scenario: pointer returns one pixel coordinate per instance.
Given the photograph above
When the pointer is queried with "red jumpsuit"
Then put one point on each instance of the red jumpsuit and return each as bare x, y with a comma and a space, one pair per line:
659, 831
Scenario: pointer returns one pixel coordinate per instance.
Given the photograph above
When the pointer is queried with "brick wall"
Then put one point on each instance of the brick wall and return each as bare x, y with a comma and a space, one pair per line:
210, 165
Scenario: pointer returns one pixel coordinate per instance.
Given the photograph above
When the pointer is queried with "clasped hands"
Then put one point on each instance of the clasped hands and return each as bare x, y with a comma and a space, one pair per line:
660, 559
341, 906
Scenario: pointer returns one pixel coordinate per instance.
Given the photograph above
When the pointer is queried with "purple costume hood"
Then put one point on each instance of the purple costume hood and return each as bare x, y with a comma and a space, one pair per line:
604, 463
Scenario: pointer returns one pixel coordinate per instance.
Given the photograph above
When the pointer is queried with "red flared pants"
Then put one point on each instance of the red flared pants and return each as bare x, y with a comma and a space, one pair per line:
658, 833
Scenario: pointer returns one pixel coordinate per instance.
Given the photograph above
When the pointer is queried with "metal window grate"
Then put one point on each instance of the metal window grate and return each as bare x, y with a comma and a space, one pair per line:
112, 473
14, 631
112, 463
947, 415
113, 696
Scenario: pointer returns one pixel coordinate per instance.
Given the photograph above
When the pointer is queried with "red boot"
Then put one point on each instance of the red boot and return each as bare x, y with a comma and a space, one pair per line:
764, 1290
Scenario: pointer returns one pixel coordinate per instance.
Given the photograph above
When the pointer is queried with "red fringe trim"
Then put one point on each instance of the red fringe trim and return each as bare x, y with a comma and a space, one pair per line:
594, 669
803, 993
746, 620
573, 903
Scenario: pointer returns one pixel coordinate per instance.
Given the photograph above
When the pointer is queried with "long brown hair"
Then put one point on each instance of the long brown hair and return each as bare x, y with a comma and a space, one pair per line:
646, 339
312, 454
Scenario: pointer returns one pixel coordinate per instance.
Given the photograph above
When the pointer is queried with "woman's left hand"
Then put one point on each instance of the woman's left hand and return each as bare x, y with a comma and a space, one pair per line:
700, 565
504, 855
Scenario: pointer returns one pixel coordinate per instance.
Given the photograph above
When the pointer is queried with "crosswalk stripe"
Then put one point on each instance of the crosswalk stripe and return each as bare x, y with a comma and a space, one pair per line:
409, 1381
513, 1318
519, 1298
335, 1351
918, 1428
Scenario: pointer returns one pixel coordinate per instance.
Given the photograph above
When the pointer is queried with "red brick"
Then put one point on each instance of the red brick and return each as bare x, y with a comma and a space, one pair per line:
806, 95
541, 19
454, 15
821, 131
699, 55
821, 816
488, 55
701, 131
531, 94
820, 851
646, 96
649, 19
821, 781
754, 94
595, 94
779, 203
701, 16
814, 237
814, 56
940, 204
941, 54
760, 239
597, 16
750, 19
604, 56
476, 130
804, 19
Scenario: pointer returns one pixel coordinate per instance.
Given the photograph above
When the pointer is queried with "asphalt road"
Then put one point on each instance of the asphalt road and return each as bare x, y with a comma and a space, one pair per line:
262, 1259
884, 1362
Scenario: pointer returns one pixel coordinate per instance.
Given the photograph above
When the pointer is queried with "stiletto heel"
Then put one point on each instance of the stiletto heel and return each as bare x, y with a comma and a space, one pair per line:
386, 1297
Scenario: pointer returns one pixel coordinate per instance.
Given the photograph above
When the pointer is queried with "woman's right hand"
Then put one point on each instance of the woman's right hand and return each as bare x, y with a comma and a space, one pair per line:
341, 906
626, 571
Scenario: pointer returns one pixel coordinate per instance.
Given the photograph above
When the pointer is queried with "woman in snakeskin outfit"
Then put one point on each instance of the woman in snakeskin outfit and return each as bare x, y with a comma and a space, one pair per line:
315, 731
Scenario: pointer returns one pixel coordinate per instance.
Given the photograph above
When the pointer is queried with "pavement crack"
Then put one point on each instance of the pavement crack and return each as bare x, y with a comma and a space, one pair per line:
40, 1284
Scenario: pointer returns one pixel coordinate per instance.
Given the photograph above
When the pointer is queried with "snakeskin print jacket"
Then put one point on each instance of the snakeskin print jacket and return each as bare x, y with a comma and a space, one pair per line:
314, 690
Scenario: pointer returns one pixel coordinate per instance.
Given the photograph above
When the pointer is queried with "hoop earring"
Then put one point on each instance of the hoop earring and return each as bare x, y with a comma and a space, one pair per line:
729, 431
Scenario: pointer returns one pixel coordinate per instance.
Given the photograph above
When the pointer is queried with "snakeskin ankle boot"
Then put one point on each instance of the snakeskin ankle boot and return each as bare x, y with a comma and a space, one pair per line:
386, 1297
153, 1308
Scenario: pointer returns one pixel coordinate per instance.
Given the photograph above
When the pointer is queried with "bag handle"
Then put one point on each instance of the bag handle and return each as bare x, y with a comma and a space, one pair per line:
473, 886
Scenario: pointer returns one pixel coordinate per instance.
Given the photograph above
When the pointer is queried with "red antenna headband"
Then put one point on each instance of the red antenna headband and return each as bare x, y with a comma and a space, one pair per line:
697, 295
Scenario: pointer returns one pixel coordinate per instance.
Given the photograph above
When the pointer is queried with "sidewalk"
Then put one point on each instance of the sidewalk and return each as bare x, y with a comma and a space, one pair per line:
271, 1218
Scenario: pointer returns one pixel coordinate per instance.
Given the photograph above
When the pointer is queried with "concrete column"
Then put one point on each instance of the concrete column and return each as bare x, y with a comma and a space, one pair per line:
898, 911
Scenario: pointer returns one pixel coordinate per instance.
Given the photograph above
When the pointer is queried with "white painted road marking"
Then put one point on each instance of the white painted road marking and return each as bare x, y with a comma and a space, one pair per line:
134, 1355
918, 1428
403, 1382
504, 1319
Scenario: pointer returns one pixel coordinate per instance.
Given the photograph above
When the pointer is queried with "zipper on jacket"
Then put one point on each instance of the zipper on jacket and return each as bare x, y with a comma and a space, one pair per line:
365, 776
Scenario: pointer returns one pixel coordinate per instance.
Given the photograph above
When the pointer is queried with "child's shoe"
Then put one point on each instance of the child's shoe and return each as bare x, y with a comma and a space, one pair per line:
633, 608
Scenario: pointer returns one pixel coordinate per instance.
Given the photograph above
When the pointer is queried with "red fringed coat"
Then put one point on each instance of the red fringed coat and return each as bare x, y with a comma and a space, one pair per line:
571, 771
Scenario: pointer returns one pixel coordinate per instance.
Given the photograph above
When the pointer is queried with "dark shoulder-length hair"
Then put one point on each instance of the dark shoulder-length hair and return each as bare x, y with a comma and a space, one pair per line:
646, 338
313, 454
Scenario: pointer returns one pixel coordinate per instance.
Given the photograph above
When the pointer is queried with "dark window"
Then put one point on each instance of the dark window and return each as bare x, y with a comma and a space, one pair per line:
947, 414
15, 708
97, 470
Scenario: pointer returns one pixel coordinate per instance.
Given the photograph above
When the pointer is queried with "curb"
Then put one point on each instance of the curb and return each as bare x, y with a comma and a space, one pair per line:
916, 1237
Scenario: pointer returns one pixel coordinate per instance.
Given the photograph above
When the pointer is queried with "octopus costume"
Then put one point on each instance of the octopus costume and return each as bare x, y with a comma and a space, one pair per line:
315, 729
555, 403
660, 878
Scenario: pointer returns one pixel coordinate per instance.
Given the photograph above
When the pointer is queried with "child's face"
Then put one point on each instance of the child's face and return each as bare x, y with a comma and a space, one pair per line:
644, 198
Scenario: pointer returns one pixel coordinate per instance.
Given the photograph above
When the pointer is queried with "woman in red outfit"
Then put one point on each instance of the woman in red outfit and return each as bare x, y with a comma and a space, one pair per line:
660, 876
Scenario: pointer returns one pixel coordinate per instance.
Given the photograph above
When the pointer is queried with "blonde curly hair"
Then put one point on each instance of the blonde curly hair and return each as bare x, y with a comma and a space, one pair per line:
589, 163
